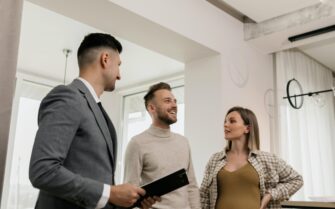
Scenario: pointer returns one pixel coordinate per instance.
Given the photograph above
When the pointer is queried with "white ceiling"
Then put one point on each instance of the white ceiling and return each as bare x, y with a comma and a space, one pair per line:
323, 51
260, 10
44, 35
321, 48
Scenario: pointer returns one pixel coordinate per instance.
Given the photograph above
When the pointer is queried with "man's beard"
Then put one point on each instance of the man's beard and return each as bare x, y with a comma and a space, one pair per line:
165, 118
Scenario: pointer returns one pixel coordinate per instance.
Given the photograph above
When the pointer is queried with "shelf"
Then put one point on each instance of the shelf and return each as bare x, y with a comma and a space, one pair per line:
307, 204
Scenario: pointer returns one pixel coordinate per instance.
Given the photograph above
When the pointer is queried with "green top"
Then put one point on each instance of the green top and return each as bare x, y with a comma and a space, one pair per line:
238, 189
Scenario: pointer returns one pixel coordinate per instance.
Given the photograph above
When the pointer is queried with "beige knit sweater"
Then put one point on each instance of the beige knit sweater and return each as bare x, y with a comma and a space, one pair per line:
155, 153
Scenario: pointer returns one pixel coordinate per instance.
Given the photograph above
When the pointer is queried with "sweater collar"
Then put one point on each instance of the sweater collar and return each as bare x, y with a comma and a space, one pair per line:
159, 132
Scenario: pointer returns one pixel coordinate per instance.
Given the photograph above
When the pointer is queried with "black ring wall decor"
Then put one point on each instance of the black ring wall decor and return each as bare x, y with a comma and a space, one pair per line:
289, 95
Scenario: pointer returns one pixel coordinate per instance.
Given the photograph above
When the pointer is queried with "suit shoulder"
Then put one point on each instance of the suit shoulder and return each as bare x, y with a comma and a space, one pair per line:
61, 99
62, 93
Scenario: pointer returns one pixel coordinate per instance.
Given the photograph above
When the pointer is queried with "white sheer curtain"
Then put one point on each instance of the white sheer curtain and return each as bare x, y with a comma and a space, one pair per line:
306, 137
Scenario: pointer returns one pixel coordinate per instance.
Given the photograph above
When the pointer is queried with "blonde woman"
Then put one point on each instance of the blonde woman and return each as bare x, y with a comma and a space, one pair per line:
243, 177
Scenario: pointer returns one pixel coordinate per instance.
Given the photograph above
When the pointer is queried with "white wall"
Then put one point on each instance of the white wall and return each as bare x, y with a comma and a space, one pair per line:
209, 90
203, 110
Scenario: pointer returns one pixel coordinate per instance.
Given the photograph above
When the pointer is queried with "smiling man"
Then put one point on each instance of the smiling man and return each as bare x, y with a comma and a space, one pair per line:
157, 151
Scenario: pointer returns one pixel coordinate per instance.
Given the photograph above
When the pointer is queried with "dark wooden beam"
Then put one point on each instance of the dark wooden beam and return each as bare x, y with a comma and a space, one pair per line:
230, 10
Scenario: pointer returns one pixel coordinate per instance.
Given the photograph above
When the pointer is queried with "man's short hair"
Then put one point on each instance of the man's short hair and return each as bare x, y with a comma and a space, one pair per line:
87, 50
151, 93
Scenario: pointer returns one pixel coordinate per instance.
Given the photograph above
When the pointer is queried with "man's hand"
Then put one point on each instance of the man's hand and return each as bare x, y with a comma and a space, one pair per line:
148, 202
125, 195
265, 200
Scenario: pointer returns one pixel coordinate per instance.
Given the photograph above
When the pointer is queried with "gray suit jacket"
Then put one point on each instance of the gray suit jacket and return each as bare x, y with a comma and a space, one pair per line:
73, 153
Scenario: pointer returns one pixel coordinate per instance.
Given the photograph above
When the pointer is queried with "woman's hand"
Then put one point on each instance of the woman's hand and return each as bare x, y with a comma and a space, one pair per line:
265, 200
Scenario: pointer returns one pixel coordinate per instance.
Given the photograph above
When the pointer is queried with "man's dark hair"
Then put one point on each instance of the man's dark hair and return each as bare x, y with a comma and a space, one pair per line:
151, 93
94, 41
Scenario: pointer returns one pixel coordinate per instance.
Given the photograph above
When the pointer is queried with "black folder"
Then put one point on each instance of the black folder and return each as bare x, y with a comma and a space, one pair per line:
164, 185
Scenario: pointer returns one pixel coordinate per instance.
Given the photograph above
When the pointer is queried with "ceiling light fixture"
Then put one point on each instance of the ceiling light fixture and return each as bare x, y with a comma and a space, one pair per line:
309, 34
66, 52
295, 95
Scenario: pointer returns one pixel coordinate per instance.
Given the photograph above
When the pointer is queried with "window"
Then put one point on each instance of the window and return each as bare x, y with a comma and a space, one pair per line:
18, 191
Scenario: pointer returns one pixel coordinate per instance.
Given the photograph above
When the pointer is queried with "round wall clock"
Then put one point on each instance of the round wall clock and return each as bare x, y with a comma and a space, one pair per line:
239, 73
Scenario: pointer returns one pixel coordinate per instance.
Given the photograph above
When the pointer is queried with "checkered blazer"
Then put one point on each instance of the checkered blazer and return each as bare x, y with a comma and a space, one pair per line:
275, 177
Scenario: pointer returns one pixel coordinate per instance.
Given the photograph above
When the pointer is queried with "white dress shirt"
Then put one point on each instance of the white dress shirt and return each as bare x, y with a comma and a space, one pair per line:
105, 194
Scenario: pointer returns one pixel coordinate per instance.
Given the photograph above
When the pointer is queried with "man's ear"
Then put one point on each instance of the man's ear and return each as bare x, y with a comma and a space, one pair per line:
151, 107
104, 59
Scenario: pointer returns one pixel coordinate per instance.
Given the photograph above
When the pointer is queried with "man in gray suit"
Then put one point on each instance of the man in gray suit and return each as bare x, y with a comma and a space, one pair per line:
74, 154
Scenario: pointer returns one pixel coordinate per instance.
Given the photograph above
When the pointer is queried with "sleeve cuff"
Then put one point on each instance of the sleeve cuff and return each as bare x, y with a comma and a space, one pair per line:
278, 195
104, 197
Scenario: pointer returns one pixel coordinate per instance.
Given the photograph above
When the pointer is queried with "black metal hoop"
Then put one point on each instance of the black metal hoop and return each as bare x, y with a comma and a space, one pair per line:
294, 105
289, 97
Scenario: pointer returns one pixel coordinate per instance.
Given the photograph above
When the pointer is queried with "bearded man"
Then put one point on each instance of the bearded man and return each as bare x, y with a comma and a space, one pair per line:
157, 151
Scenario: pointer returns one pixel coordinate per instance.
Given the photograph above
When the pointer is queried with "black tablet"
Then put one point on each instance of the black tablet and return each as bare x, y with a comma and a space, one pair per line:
164, 185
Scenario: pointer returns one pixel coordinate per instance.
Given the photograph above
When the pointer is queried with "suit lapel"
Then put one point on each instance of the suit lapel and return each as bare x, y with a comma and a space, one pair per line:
114, 141
98, 117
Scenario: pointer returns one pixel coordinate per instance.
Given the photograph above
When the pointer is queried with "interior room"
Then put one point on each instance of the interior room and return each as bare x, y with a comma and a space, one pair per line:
215, 54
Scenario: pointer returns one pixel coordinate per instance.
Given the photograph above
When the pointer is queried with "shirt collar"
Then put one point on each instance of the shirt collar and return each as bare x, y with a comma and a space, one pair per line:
223, 154
90, 88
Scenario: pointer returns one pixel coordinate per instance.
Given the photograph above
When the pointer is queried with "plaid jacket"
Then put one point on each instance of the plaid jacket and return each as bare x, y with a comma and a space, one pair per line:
275, 177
